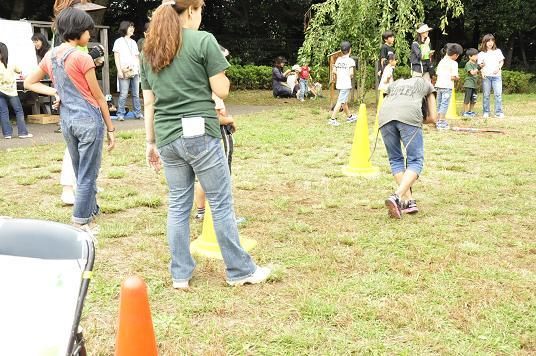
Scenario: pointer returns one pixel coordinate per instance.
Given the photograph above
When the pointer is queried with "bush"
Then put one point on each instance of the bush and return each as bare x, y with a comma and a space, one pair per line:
250, 77
260, 77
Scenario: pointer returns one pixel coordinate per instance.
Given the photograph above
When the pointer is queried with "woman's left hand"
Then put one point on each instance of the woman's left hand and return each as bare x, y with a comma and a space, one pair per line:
152, 156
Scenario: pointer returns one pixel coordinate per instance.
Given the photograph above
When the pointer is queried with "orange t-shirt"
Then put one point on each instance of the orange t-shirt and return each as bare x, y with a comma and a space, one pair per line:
77, 65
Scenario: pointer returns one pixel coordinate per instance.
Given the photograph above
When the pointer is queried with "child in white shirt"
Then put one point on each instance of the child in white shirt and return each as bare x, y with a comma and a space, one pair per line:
447, 73
343, 72
388, 73
491, 60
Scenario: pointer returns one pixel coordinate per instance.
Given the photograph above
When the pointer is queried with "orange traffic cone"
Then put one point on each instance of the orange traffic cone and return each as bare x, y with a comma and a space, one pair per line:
360, 164
452, 112
377, 122
135, 335
207, 244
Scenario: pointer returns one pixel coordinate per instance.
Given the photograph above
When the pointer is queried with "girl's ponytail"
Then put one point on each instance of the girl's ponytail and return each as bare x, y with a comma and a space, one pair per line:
164, 38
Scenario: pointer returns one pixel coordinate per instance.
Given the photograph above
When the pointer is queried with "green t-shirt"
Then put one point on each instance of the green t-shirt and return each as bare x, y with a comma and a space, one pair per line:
470, 80
182, 89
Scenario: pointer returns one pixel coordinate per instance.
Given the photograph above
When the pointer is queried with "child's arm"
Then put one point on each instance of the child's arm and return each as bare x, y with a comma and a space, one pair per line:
96, 92
32, 83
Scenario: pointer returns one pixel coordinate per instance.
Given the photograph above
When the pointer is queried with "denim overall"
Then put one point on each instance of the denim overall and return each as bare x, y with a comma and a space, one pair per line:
83, 130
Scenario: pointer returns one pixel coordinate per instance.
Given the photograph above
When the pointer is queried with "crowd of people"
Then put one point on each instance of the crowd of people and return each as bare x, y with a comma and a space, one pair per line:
184, 87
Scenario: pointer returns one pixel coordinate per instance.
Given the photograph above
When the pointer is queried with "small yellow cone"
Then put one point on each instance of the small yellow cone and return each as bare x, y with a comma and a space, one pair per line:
207, 245
451, 112
360, 164
377, 122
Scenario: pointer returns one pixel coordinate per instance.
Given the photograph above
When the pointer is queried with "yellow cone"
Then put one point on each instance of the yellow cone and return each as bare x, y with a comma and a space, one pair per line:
207, 245
451, 112
377, 122
360, 164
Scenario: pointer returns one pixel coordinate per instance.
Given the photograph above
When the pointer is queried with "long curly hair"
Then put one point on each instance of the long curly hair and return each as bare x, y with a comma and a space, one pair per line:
164, 39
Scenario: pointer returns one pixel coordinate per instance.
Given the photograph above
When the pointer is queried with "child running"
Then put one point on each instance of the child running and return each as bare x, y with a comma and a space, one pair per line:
447, 73
83, 108
471, 69
343, 72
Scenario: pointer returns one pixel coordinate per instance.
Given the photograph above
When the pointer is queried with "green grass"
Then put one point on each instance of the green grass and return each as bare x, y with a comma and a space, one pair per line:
458, 278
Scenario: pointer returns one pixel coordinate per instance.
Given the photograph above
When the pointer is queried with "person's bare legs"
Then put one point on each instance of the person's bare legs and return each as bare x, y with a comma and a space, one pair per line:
399, 178
407, 179
346, 109
199, 200
336, 111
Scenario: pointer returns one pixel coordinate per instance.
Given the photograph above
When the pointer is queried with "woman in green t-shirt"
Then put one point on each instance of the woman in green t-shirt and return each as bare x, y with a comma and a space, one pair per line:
178, 75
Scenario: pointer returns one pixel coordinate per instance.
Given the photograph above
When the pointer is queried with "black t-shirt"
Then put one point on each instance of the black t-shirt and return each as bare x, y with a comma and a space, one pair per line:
385, 51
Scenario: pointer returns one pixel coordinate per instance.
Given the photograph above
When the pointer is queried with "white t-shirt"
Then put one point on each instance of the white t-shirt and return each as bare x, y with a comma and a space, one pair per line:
446, 69
387, 78
344, 68
128, 53
491, 60
292, 79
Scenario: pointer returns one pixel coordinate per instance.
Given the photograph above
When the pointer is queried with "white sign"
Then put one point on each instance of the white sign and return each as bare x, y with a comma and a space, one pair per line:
17, 36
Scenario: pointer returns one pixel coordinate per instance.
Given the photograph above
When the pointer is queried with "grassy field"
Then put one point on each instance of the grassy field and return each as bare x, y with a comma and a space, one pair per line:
458, 278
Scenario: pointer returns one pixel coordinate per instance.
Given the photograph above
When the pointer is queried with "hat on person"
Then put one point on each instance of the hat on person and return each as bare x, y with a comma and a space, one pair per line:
296, 67
345, 46
424, 28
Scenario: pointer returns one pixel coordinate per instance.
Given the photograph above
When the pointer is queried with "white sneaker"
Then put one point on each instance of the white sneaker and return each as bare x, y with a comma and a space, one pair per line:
28, 135
500, 116
7, 137
351, 118
485, 115
333, 122
181, 285
261, 275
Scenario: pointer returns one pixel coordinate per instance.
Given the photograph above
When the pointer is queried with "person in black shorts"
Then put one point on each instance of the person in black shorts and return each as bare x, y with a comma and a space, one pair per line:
470, 83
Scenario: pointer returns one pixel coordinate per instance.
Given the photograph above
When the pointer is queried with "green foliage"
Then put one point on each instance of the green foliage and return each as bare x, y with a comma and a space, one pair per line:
362, 23
250, 77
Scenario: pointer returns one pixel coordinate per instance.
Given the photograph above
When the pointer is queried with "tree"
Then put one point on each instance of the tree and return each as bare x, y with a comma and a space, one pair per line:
362, 23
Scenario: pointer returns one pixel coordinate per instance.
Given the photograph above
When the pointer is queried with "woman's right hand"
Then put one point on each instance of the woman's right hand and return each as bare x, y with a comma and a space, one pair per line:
152, 156
120, 74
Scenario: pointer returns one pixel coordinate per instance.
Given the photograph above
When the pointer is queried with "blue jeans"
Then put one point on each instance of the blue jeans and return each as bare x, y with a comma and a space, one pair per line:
132, 84
84, 137
303, 88
201, 156
411, 136
14, 101
496, 84
443, 100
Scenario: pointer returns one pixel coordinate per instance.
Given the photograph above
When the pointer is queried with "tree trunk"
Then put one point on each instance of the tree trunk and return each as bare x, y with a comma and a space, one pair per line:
361, 79
510, 51
523, 52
